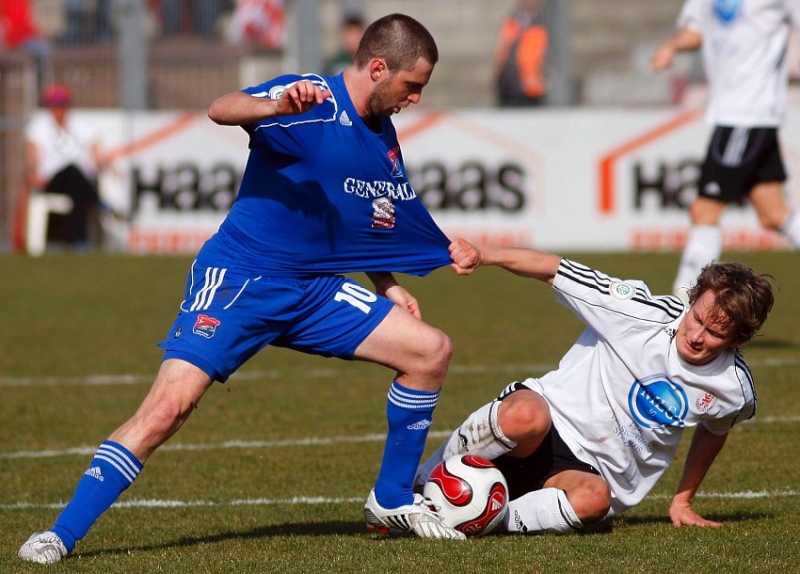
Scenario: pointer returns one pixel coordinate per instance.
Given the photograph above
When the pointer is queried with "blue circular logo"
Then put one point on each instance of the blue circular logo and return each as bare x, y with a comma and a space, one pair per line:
727, 10
657, 402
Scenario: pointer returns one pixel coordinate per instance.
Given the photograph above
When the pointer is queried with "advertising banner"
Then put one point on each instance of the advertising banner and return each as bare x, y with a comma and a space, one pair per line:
555, 179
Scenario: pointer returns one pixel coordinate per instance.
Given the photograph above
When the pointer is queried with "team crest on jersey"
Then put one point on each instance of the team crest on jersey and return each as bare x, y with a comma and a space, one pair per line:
621, 291
705, 402
727, 10
382, 213
657, 401
205, 326
394, 157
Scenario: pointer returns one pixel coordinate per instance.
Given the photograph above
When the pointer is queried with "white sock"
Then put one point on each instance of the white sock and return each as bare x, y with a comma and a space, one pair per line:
791, 229
480, 435
546, 510
703, 246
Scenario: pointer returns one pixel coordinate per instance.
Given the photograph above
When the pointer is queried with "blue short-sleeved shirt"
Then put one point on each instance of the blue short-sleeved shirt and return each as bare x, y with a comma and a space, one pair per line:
322, 194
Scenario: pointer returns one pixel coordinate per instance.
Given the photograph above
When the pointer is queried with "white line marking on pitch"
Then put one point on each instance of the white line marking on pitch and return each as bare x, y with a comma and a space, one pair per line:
748, 494
282, 443
131, 379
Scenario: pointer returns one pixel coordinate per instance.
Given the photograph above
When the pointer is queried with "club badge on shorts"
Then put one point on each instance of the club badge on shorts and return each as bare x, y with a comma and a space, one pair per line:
205, 326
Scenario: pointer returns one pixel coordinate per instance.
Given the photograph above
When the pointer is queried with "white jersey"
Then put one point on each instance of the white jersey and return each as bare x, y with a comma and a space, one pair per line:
59, 146
744, 54
622, 396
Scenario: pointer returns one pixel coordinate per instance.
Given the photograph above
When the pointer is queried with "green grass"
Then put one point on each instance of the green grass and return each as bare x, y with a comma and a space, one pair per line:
68, 320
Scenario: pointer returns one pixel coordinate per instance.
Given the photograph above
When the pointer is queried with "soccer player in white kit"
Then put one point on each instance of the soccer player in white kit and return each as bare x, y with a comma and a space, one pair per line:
744, 46
590, 439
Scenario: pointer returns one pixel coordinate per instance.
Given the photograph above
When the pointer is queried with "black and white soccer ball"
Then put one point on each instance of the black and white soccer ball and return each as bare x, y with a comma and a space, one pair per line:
469, 493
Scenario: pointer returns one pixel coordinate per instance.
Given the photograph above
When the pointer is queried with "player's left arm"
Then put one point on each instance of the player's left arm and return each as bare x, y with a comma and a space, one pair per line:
239, 108
387, 285
703, 451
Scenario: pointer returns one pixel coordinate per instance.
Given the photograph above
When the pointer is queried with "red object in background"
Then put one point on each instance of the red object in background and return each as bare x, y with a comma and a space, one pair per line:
16, 23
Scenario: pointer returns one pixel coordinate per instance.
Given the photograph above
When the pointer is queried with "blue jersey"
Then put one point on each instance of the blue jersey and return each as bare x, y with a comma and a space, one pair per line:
322, 194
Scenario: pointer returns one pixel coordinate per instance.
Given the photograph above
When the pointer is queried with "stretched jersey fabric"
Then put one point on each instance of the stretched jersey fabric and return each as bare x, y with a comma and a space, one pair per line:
622, 396
744, 54
322, 194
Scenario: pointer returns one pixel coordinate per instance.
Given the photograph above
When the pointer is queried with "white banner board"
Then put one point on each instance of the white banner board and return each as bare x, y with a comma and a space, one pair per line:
556, 179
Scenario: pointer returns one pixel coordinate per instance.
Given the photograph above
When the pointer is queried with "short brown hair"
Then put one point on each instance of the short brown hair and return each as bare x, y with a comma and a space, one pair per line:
398, 39
743, 297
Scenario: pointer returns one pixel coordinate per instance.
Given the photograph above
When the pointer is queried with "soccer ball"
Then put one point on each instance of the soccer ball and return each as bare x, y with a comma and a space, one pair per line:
469, 493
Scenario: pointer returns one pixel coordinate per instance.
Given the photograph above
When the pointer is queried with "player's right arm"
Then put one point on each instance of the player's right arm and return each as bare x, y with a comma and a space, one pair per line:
687, 39
519, 260
239, 108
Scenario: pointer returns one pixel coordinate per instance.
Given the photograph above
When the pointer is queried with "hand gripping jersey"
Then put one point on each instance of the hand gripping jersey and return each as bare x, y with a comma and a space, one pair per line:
621, 396
323, 194
744, 55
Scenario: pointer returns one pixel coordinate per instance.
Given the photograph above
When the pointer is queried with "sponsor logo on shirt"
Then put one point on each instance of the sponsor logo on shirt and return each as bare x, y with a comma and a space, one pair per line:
705, 402
372, 189
657, 401
727, 10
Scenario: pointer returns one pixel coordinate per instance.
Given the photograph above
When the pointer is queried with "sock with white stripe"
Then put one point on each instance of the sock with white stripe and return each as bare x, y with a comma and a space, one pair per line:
410, 415
703, 246
791, 229
480, 435
112, 470
546, 510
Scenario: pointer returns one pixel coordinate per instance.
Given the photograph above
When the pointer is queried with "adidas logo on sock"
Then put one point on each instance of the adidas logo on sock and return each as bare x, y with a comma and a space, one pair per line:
95, 472
344, 119
420, 425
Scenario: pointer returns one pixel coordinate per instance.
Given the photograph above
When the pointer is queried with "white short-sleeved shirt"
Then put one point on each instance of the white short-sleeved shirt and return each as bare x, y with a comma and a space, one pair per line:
622, 396
59, 147
744, 54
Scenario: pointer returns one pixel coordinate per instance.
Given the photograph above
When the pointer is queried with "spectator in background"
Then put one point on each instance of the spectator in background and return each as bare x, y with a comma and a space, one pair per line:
20, 32
744, 52
258, 23
193, 16
87, 21
63, 156
520, 57
349, 36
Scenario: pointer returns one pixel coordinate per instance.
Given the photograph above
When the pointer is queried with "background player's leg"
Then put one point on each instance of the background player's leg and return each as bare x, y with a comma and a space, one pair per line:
773, 213
704, 243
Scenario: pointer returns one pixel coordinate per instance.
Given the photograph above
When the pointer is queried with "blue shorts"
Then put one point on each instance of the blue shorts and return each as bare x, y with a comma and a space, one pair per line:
228, 316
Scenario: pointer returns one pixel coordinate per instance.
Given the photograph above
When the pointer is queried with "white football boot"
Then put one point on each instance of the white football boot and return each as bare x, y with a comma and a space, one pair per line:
44, 548
419, 518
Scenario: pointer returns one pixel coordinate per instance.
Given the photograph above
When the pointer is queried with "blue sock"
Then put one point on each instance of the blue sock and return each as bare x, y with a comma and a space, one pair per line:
112, 470
410, 414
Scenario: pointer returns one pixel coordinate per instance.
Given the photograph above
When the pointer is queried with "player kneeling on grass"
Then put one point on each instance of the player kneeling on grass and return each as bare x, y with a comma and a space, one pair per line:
589, 440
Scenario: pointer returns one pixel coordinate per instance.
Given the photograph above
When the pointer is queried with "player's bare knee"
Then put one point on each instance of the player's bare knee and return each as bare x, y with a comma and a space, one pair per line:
592, 501
437, 354
524, 416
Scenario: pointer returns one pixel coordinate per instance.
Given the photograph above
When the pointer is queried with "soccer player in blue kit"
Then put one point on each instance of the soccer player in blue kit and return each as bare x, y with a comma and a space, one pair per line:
325, 192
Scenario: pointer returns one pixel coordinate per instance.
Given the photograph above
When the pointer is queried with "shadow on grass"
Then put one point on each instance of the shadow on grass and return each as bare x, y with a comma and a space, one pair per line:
722, 518
338, 528
334, 528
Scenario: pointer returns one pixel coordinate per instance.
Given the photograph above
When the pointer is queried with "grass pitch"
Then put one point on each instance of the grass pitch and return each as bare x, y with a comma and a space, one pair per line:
270, 474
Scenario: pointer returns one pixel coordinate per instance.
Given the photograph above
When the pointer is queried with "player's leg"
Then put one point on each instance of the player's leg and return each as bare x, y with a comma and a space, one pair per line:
119, 459
773, 213
337, 317
568, 501
513, 424
703, 244
420, 355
